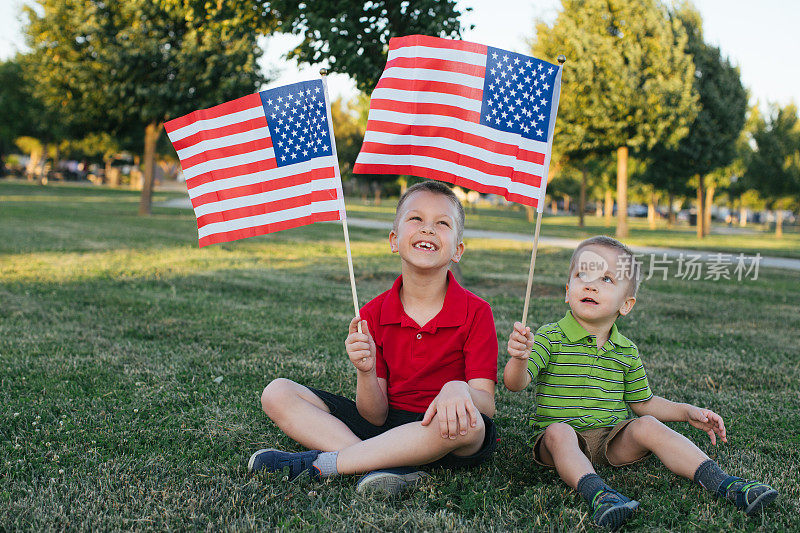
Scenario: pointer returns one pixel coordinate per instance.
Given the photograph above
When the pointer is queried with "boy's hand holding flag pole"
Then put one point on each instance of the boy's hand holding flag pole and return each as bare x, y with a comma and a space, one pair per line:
469, 114
262, 163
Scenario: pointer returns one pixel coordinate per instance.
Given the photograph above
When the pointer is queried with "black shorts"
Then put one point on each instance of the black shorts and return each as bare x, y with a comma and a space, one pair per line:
345, 410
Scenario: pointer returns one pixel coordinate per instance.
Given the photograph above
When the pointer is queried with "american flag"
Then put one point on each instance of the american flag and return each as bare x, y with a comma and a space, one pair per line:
261, 163
461, 112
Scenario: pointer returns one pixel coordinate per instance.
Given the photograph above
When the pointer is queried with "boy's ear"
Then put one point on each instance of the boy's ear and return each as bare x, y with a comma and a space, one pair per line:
393, 242
458, 252
627, 306
566, 293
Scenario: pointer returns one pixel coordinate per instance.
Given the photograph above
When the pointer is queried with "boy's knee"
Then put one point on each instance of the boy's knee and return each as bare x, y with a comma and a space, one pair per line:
558, 434
646, 427
275, 393
473, 435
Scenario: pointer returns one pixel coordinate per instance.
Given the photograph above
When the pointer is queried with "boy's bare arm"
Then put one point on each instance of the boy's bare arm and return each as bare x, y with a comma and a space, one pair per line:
371, 399
515, 373
481, 391
667, 411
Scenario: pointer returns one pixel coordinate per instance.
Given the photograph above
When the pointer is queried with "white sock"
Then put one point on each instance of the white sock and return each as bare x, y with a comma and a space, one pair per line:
326, 464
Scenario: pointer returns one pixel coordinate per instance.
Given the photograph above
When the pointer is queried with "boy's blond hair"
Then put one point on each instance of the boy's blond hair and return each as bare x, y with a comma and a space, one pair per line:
631, 267
435, 187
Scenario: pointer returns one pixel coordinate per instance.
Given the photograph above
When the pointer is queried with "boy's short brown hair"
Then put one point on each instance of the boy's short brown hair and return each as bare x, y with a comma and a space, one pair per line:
436, 187
631, 268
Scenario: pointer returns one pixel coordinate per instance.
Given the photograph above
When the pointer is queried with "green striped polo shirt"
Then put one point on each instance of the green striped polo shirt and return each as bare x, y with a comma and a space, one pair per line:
579, 384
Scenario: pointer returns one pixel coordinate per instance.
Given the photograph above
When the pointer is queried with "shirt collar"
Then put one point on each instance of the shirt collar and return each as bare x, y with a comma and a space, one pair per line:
575, 332
453, 313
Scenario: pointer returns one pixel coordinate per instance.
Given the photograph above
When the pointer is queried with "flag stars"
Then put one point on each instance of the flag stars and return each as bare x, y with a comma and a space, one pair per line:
515, 85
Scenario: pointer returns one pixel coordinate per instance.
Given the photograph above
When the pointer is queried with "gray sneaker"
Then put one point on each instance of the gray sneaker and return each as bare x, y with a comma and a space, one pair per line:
391, 481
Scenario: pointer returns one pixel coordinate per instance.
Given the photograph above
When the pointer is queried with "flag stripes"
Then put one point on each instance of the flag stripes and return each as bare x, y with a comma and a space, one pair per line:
425, 120
235, 184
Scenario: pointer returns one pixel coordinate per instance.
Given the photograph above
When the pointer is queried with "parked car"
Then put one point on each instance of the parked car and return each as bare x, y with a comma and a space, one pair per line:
637, 210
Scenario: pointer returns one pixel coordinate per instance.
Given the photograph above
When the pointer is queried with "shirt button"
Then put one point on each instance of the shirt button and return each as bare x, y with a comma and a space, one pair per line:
419, 335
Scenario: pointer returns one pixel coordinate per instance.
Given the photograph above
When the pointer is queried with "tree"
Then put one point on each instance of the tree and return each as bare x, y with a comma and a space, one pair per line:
711, 141
353, 37
774, 167
625, 84
107, 65
25, 115
17, 105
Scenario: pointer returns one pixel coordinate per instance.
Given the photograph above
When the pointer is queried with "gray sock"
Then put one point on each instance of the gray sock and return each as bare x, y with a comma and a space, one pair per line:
589, 485
326, 464
710, 476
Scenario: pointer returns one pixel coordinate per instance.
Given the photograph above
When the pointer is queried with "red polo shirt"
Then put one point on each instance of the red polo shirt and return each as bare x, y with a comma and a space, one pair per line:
460, 343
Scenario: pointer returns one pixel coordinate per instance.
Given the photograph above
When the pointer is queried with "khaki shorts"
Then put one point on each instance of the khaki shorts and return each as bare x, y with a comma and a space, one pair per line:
593, 443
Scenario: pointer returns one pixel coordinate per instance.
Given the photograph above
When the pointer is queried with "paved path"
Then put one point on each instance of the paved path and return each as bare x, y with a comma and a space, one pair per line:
558, 242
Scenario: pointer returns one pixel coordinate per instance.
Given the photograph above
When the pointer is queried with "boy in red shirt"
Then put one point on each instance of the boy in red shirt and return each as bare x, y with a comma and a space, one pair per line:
426, 366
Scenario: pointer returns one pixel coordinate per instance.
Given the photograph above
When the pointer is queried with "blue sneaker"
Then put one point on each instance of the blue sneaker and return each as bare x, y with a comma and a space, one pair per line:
749, 496
391, 481
273, 460
612, 509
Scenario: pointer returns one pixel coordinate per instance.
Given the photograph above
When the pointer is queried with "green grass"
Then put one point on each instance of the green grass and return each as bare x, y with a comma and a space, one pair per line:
113, 328
513, 219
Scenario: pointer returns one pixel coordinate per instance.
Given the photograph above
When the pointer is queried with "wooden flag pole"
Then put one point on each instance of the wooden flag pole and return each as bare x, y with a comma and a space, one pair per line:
533, 265
539, 210
324, 73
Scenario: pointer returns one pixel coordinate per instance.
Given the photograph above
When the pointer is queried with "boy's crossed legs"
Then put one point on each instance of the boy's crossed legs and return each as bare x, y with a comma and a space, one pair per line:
307, 419
631, 441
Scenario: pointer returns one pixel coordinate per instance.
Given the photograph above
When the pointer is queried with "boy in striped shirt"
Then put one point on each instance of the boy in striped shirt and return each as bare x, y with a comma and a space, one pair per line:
587, 374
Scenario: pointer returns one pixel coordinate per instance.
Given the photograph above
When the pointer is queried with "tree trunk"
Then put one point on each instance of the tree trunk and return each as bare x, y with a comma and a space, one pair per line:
622, 192
700, 215
609, 207
670, 212
742, 215
107, 171
529, 213
56, 170
378, 195
598, 209
33, 163
582, 198
651, 210
151, 133
779, 223
403, 181
41, 171
566, 203
709, 202
554, 206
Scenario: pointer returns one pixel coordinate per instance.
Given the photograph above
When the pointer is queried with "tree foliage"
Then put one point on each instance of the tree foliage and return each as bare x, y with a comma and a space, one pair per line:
16, 103
774, 166
625, 82
106, 65
712, 137
353, 37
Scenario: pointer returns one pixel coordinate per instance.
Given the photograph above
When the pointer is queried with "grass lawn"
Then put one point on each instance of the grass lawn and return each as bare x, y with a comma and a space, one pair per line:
750, 240
116, 329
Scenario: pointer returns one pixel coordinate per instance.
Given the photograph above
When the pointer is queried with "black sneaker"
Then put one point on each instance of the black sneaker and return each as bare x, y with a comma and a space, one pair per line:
612, 509
749, 496
273, 460
391, 481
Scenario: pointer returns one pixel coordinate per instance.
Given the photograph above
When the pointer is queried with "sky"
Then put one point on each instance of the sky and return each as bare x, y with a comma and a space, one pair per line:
762, 38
